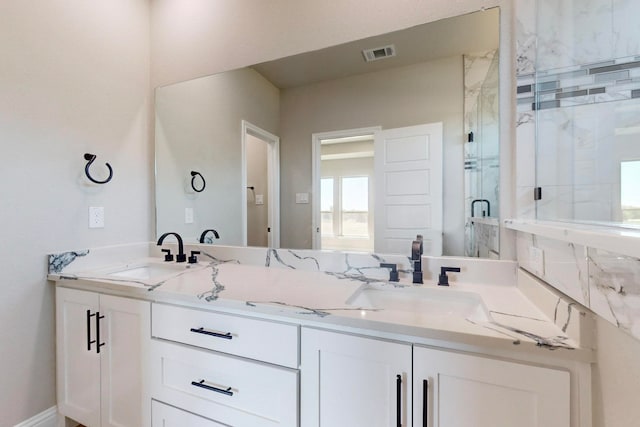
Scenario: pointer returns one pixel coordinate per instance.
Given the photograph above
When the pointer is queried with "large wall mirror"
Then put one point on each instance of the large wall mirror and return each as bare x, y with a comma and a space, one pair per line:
331, 149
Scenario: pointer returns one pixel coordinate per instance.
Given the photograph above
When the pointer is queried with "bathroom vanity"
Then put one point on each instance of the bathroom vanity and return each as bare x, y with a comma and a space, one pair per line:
243, 340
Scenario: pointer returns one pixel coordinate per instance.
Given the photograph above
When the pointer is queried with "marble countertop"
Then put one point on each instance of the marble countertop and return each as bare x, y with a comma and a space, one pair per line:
506, 318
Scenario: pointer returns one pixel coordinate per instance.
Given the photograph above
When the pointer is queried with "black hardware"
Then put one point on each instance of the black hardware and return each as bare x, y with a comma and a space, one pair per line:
487, 213
226, 336
98, 343
89, 341
180, 257
194, 174
193, 258
90, 159
537, 193
425, 403
443, 279
470, 137
201, 384
399, 400
168, 256
416, 259
393, 273
204, 233
268, 229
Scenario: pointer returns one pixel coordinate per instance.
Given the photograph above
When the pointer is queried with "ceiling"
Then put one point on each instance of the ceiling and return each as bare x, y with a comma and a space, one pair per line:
474, 32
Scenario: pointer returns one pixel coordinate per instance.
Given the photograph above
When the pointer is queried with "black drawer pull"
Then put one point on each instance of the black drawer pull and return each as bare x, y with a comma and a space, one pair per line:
425, 403
89, 340
201, 384
399, 400
226, 336
98, 343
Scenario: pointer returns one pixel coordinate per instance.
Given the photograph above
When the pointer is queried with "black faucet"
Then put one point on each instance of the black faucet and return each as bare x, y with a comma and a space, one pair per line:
488, 213
180, 257
416, 259
443, 279
204, 233
393, 272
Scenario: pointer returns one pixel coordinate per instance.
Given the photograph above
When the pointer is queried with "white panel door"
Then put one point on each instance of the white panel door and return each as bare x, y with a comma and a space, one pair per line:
408, 195
459, 390
78, 364
353, 381
124, 338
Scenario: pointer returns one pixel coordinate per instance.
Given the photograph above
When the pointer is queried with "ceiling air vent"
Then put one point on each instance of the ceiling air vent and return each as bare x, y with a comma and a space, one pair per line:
379, 53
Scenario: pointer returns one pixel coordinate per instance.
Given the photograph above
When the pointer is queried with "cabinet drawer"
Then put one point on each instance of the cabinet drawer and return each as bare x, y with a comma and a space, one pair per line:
256, 339
167, 416
224, 388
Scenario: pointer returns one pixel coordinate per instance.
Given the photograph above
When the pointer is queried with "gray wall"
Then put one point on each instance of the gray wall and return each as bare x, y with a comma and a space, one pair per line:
423, 93
74, 78
198, 127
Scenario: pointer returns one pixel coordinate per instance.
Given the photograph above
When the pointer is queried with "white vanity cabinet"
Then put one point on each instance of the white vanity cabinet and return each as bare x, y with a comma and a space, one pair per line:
102, 349
460, 390
168, 416
354, 381
233, 370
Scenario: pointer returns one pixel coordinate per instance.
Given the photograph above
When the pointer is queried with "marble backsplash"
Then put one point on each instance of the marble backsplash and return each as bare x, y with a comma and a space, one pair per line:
605, 282
350, 265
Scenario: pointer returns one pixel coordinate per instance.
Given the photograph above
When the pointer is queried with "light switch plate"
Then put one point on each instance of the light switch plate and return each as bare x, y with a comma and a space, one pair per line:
302, 197
188, 215
536, 257
259, 199
96, 217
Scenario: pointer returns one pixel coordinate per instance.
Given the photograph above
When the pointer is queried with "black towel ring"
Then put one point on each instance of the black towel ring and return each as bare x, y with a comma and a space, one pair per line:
90, 159
194, 174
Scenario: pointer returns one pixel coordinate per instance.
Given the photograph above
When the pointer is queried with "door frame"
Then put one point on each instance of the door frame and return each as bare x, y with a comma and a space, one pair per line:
273, 181
316, 141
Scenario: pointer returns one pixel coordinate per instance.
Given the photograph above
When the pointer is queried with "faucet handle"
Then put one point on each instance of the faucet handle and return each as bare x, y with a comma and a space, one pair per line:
193, 258
443, 279
393, 273
168, 256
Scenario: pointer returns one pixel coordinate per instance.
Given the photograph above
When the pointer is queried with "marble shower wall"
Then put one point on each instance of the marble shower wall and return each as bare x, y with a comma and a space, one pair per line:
578, 79
482, 153
605, 282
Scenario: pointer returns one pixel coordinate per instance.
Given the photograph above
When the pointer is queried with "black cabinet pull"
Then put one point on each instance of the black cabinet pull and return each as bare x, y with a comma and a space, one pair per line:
226, 391
425, 403
89, 341
399, 400
226, 336
98, 343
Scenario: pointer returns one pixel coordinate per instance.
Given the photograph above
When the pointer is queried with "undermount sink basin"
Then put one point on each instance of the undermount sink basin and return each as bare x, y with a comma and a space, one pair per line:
428, 302
146, 272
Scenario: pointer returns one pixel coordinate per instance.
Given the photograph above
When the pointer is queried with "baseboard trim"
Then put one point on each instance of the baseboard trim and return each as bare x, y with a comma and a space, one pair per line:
46, 418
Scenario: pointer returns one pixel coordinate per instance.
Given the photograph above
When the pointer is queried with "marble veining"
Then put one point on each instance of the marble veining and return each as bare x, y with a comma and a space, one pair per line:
57, 262
550, 343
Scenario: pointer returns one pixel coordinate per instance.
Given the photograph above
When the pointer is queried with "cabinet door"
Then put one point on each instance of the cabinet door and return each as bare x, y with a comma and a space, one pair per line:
353, 381
78, 363
168, 416
124, 338
464, 390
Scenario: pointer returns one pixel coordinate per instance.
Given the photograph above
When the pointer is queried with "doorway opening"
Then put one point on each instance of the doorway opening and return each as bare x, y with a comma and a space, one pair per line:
260, 187
343, 181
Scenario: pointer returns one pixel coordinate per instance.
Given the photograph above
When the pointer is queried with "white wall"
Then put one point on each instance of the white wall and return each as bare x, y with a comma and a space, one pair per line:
199, 127
192, 38
74, 78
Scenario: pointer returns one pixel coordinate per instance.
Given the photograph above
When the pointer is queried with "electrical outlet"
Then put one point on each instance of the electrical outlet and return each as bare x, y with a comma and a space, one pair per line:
302, 198
536, 257
188, 215
96, 217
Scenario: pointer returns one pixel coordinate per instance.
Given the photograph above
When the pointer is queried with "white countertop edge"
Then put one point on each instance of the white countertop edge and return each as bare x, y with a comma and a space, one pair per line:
617, 240
477, 343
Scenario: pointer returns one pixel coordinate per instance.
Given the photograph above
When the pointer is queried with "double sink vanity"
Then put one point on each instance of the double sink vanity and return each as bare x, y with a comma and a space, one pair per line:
273, 337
